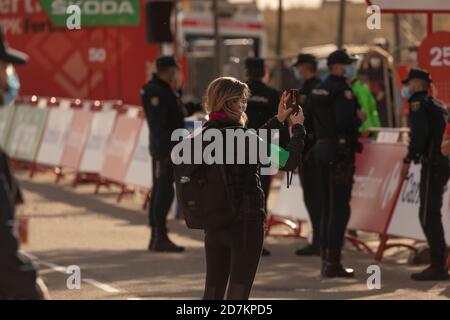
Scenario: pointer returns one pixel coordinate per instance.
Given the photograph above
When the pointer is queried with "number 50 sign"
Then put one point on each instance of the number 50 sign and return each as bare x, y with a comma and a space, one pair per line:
434, 55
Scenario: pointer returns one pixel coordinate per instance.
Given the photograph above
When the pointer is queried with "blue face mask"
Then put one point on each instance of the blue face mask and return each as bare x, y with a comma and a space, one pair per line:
13, 89
350, 72
298, 76
406, 93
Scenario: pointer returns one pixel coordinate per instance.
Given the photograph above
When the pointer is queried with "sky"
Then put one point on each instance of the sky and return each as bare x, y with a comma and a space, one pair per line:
290, 3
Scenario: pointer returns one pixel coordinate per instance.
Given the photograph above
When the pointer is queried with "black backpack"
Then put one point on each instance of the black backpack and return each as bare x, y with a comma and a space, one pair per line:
203, 193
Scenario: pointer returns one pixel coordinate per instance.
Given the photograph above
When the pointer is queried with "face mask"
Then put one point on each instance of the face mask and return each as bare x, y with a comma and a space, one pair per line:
406, 93
298, 76
13, 88
350, 71
375, 63
243, 106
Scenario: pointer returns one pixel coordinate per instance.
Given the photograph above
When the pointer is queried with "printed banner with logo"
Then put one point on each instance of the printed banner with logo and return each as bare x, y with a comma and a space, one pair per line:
95, 149
26, 132
95, 12
55, 137
121, 147
377, 181
76, 141
405, 222
140, 169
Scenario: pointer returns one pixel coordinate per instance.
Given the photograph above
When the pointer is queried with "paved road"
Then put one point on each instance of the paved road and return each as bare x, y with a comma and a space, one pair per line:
108, 240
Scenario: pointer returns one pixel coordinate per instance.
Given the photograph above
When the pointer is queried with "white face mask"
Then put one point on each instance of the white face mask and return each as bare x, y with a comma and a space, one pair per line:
243, 106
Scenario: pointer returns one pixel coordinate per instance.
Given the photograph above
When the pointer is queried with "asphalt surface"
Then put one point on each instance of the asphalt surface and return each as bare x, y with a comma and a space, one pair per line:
107, 241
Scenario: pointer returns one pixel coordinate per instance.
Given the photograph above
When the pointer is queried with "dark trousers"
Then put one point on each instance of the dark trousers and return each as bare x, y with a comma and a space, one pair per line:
265, 185
311, 194
17, 273
232, 257
162, 193
336, 168
433, 179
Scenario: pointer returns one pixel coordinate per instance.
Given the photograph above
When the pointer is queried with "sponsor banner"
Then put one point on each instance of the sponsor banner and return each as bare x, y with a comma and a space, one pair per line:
26, 131
121, 147
97, 142
55, 137
377, 181
140, 169
76, 141
405, 222
95, 12
6, 116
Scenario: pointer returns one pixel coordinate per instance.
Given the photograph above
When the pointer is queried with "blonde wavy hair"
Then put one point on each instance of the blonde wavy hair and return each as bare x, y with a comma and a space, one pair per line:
222, 93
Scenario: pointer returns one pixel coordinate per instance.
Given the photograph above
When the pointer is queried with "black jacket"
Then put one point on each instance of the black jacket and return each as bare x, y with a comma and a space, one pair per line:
244, 179
427, 121
262, 104
333, 110
164, 114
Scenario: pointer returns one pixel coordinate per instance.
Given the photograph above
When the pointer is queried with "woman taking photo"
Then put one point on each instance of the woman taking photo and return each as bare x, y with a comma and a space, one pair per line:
233, 252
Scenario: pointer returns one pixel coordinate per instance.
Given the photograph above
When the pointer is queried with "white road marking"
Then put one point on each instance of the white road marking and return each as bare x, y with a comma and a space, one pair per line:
62, 269
101, 286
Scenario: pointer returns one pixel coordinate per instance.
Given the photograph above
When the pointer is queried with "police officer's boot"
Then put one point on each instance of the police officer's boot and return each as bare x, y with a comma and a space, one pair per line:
332, 267
160, 242
437, 271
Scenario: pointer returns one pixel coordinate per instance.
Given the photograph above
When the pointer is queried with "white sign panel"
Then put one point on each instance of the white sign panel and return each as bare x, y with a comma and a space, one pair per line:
95, 150
412, 5
289, 203
405, 221
55, 137
140, 169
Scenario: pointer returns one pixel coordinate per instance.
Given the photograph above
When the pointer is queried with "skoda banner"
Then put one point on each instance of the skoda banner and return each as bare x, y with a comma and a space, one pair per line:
94, 12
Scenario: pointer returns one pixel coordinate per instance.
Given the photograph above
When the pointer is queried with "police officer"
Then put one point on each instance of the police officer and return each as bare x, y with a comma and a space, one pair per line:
427, 120
164, 113
306, 65
18, 275
262, 105
336, 126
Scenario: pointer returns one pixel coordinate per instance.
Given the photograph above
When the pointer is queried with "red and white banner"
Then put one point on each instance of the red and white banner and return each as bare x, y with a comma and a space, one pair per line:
121, 147
377, 181
140, 169
55, 137
78, 136
405, 221
95, 149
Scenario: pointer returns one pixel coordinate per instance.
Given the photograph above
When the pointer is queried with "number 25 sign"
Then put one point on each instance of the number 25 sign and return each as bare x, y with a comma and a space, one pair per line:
434, 55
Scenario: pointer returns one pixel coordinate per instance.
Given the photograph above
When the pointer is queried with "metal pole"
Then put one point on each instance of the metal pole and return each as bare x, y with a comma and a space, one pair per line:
279, 45
341, 23
217, 57
397, 39
429, 23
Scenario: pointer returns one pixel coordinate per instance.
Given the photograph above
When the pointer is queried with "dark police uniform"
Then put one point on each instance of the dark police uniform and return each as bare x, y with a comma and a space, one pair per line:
164, 114
427, 120
336, 129
17, 273
308, 169
262, 105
